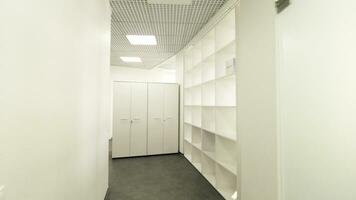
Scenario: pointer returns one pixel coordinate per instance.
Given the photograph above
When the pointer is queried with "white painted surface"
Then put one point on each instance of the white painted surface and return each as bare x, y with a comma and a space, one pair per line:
138, 119
170, 118
256, 100
130, 119
122, 120
54, 72
162, 118
2, 192
155, 118
317, 108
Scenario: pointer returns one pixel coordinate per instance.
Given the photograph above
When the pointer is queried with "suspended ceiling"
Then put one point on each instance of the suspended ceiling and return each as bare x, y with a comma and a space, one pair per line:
174, 23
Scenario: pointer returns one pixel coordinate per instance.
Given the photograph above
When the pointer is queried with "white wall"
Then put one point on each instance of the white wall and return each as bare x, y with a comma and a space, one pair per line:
54, 92
317, 99
142, 75
256, 100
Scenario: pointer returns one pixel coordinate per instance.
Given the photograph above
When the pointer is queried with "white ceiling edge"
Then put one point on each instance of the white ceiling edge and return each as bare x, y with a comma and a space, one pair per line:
219, 15
171, 2
169, 64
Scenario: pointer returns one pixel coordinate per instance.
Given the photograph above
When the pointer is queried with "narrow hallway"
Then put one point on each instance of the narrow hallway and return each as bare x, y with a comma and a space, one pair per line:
177, 100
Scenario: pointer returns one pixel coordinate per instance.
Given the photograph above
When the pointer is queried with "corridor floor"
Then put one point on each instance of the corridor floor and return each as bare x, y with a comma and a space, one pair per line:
166, 177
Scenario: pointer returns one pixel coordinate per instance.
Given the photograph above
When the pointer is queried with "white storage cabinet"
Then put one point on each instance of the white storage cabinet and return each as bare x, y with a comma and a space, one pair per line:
145, 119
129, 119
162, 118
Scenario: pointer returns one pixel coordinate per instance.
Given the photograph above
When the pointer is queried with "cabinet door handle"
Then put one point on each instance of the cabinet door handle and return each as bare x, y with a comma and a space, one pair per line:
157, 118
167, 118
135, 119
124, 119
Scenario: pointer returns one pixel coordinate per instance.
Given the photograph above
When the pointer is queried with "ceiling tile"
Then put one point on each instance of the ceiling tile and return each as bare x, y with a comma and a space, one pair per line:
174, 25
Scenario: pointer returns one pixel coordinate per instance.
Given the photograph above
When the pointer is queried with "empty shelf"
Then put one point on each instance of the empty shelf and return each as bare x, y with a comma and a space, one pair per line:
197, 166
211, 178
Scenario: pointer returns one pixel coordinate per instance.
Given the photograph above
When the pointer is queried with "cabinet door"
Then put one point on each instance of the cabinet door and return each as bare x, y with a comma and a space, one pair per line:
170, 118
155, 118
121, 120
138, 119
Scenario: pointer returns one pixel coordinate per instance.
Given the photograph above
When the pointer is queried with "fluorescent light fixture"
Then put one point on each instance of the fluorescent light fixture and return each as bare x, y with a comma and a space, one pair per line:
171, 2
131, 59
142, 39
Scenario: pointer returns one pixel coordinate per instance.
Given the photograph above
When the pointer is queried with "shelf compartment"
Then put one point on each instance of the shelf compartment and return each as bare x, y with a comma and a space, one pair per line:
197, 166
196, 116
197, 53
208, 142
208, 115
225, 31
188, 115
211, 179
193, 125
187, 97
187, 80
196, 158
188, 150
208, 169
211, 155
196, 75
195, 95
226, 154
225, 90
188, 60
225, 61
196, 137
208, 69
226, 182
188, 132
225, 122
208, 94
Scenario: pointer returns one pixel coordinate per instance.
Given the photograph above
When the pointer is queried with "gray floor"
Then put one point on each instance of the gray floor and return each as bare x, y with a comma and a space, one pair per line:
167, 177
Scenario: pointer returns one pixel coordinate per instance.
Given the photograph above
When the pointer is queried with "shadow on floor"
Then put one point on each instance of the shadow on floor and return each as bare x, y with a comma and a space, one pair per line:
165, 177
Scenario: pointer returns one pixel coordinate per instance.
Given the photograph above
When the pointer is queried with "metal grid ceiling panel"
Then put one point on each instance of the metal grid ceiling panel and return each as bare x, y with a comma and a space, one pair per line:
173, 25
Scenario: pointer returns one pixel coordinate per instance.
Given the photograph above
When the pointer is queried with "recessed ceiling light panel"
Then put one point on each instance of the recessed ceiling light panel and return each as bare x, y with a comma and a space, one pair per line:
142, 39
131, 59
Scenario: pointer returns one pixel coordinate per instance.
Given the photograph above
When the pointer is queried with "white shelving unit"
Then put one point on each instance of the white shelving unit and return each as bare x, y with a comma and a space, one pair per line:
188, 150
196, 138
210, 106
